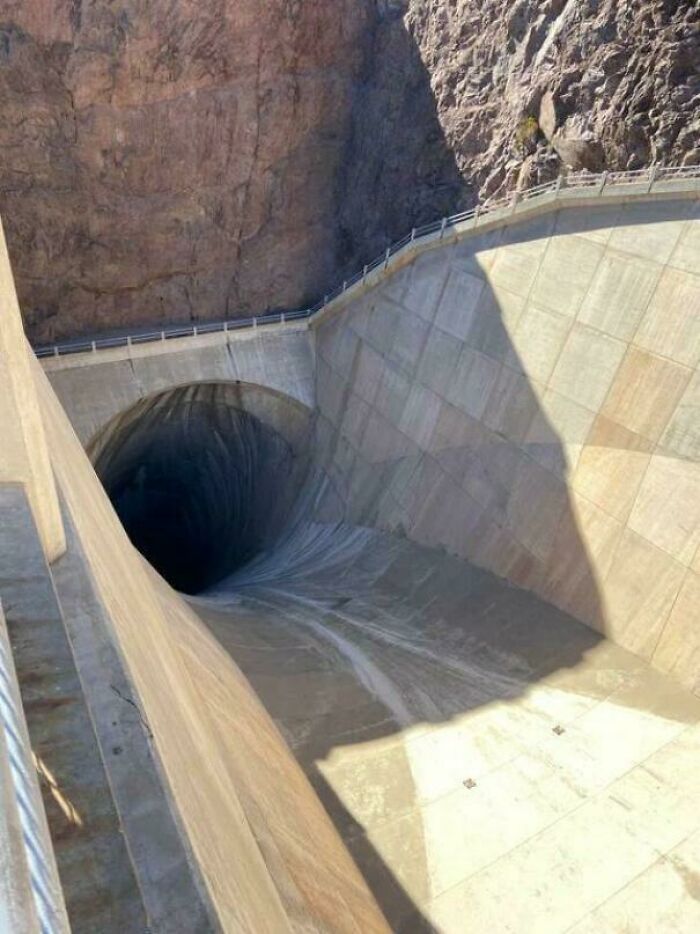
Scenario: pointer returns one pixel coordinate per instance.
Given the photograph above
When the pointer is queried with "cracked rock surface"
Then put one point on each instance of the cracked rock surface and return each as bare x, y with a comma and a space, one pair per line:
517, 91
171, 160
179, 161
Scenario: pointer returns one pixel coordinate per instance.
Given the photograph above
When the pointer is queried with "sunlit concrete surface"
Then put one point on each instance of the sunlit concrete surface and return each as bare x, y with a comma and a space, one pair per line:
263, 855
492, 764
25, 458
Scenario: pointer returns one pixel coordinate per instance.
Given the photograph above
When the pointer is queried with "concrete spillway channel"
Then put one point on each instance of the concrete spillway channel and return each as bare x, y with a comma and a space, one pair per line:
463, 580
453, 726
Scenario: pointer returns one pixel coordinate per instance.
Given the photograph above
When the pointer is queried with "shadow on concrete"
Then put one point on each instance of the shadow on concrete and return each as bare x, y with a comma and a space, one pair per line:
350, 667
369, 638
358, 650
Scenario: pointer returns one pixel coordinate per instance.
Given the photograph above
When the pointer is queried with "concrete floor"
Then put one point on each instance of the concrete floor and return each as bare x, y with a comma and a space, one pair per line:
492, 765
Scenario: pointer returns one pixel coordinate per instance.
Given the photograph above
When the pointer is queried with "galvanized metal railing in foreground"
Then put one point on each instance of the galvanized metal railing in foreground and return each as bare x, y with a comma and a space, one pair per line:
31, 899
646, 180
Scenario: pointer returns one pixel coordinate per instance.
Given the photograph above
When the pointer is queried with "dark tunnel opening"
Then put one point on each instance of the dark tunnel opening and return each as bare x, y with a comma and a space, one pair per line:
199, 481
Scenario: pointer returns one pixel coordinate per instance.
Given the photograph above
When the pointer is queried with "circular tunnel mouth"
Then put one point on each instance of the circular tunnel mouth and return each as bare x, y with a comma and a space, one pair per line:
200, 482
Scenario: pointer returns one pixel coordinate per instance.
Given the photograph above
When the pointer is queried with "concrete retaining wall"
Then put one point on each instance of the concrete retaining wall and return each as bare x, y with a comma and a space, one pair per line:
528, 399
93, 388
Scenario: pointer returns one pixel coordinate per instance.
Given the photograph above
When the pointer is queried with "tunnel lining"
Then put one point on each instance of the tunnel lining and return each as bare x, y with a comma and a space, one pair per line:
203, 476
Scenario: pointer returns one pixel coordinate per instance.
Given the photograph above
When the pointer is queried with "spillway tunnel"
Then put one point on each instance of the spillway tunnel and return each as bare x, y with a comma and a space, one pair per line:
200, 482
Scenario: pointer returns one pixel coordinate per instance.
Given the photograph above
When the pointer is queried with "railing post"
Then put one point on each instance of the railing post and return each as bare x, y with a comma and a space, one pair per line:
345, 285
387, 255
194, 330
225, 327
55, 350
281, 317
514, 204
93, 346
364, 274
413, 234
325, 299
560, 184
477, 212
442, 227
652, 177
162, 335
603, 180
128, 340
255, 322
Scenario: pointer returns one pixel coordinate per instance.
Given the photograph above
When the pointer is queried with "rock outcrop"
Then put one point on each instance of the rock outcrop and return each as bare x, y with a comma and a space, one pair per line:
524, 89
611, 82
175, 160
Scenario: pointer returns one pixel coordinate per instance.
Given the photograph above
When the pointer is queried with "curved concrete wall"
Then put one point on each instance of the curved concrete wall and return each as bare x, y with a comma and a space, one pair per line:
528, 399
524, 400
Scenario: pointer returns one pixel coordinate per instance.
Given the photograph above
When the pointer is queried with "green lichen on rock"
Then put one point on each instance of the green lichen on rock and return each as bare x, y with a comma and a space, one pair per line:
527, 132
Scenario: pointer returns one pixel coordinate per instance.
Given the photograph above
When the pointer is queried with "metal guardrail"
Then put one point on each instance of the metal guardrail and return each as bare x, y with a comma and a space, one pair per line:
600, 183
31, 899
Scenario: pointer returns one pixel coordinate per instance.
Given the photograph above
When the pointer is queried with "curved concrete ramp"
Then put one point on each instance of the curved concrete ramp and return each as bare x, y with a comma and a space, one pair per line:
486, 757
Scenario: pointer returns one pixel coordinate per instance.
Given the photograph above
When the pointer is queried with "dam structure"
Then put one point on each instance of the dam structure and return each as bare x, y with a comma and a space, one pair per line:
378, 615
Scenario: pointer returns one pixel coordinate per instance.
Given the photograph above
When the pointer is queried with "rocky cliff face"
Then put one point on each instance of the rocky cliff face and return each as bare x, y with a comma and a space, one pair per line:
167, 160
611, 83
178, 160
518, 91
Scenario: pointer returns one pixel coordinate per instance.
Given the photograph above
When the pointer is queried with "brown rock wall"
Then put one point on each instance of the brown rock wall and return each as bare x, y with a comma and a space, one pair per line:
167, 161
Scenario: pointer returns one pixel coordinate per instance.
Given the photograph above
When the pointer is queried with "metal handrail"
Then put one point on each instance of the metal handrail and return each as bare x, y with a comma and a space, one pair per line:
571, 182
31, 898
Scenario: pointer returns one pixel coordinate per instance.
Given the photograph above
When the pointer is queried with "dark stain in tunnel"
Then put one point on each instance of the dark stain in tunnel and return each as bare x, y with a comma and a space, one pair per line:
198, 484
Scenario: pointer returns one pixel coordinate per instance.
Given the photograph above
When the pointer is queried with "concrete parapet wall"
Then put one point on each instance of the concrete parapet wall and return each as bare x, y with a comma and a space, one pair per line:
24, 456
90, 850
528, 399
493, 219
31, 900
93, 388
